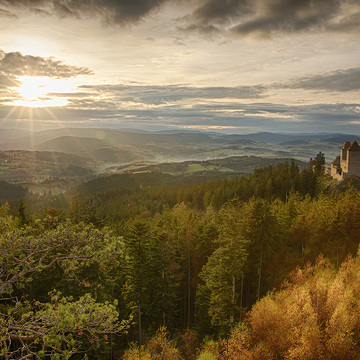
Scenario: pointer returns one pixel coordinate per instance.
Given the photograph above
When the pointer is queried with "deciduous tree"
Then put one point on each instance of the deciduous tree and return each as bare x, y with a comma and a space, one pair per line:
61, 325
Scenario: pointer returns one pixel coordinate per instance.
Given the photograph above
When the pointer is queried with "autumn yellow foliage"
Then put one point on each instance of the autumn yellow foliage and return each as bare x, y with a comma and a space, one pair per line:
315, 316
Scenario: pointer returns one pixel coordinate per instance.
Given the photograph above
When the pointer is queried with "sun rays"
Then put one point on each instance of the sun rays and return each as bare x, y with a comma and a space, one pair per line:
32, 99
41, 91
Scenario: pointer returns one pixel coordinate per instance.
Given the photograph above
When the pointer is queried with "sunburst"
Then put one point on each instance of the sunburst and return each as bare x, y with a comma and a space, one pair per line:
42, 91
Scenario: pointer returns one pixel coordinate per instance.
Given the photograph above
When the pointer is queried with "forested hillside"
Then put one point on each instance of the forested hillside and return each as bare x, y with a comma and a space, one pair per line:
154, 266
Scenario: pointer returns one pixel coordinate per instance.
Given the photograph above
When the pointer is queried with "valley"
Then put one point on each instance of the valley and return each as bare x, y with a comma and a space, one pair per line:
57, 160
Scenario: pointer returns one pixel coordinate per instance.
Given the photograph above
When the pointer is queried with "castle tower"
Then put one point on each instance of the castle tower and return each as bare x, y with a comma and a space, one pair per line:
348, 163
344, 150
353, 159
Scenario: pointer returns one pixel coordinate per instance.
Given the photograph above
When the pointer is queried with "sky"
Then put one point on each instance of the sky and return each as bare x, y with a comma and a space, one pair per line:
225, 66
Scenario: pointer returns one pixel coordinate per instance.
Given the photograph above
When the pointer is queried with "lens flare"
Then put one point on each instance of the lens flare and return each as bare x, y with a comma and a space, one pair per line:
41, 91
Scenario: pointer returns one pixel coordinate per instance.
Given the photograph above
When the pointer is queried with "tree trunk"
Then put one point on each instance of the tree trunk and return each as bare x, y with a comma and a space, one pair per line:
241, 294
233, 299
189, 292
259, 273
140, 327
163, 312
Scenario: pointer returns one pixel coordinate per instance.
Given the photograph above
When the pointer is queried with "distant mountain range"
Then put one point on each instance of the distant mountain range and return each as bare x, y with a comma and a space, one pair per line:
12, 134
125, 146
56, 160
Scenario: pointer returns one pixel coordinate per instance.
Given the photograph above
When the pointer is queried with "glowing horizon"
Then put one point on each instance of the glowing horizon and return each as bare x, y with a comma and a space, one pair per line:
41, 91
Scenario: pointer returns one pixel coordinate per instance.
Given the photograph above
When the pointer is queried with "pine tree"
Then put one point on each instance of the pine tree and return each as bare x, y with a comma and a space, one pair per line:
223, 272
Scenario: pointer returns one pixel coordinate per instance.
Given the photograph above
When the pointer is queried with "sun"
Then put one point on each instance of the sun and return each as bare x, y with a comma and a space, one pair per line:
42, 91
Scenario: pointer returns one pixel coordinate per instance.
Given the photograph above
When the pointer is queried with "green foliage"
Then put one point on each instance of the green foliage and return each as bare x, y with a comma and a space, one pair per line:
206, 355
21, 166
191, 235
224, 269
21, 215
149, 283
330, 226
116, 198
58, 326
6, 221
11, 192
261, 229
319, 163
271, 182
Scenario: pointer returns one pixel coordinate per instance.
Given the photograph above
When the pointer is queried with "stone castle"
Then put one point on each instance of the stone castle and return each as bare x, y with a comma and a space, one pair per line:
348, 163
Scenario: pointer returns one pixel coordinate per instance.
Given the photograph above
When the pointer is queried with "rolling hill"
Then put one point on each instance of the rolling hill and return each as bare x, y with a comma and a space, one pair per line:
82, 153
20, 166
231, 166
71, 144
12, 134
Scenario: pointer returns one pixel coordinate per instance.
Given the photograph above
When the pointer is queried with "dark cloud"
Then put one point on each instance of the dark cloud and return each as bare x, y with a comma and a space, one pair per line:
339, 80
70, 95
178, 41
208, 30
267, 18
91, 104
287, 16
15, 64
110, 11
157, 95
238, 118
23, 3
261, 17
346, 24
220, 11
210, 16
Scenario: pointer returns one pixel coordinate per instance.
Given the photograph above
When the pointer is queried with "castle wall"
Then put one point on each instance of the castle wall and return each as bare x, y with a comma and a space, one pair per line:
343, 154
353, 163
344, 164
348, 163
335, 174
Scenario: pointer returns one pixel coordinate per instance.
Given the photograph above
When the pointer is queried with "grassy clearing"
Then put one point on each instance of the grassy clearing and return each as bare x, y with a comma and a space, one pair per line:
191, 168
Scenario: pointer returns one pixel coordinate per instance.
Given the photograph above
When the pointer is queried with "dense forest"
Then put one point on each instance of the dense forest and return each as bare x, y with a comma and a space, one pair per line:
154, 266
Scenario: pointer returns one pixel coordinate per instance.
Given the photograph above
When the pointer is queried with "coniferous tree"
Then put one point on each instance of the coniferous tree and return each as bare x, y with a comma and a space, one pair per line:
262, 232
223, 273
137, 257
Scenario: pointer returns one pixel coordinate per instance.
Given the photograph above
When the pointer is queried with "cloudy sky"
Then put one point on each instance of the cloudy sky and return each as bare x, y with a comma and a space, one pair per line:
231, 66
